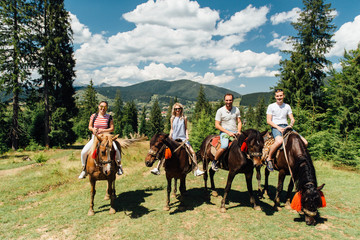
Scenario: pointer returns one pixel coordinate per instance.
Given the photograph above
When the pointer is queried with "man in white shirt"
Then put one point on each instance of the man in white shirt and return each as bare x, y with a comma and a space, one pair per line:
276, 117
228, 121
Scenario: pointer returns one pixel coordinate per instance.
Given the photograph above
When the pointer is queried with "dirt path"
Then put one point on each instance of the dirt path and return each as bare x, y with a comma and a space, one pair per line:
14, 171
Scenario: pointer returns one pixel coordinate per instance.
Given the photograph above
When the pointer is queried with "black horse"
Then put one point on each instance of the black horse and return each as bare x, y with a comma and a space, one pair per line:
235, 160
303, 173
177, 167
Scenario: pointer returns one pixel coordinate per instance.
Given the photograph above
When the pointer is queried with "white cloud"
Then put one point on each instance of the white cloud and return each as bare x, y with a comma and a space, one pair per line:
243, 21
242, 85
81, 33
282, 17
347, 37
175, 14
280, 43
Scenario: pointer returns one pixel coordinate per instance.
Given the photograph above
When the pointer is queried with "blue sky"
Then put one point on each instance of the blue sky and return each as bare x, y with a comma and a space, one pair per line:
228, 43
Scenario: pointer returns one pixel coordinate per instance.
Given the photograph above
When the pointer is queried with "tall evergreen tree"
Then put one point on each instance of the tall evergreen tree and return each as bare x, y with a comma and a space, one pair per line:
249, 118
143, 128
260, 115
129, 119
168, 116
201, 104
302, 76
156, 123
16, 55
55, 61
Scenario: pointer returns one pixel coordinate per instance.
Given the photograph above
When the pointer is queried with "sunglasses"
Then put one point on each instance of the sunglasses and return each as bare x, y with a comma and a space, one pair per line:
103, 107
278, 90
177, 109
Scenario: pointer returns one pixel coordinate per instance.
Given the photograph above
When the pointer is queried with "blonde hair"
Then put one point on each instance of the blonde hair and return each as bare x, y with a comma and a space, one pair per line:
173, 113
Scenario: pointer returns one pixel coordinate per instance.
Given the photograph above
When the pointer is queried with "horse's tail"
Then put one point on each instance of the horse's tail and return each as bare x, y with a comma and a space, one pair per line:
125, 143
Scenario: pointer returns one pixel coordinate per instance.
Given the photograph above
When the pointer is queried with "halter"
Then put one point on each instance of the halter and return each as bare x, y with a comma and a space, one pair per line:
157, 154
249, 154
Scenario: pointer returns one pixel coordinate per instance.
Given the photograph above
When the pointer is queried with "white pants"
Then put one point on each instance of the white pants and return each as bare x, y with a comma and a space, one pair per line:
87, 147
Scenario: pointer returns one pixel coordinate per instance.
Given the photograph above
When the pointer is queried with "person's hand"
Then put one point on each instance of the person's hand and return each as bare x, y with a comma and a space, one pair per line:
95, 131
281, 129
99, 131
231, 134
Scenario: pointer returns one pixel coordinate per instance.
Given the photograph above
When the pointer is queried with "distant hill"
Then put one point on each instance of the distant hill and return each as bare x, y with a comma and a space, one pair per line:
183, 89
253, 98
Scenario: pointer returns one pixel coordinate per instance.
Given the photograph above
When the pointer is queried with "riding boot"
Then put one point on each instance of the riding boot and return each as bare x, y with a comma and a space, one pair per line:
197, 172
83, 172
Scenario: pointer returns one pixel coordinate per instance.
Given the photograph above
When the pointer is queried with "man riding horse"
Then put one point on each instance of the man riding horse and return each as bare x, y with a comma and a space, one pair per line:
228, 121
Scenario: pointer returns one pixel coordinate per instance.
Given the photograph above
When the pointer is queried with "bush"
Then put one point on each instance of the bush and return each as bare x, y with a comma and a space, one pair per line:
323, 145
40, 158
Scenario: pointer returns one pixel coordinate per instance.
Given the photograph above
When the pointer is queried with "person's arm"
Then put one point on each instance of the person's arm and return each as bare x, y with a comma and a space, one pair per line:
171, 127
239, 126
292, 119
186, 129
91, 128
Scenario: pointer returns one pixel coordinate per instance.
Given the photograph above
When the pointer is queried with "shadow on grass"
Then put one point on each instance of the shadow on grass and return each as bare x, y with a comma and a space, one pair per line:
130, 202
14, 156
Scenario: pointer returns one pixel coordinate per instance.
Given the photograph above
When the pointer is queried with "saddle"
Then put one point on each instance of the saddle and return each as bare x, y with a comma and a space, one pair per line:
269, 140
215, 145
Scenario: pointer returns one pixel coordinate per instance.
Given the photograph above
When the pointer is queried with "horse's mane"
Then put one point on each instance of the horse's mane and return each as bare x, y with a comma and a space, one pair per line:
94, 146
248, 134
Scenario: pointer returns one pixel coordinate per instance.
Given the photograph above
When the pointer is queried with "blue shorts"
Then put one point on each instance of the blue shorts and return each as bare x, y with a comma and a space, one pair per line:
224, 139
276, 132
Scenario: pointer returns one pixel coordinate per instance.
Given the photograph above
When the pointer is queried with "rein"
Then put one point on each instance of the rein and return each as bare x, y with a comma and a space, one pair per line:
156, 154
286, 158
108, 151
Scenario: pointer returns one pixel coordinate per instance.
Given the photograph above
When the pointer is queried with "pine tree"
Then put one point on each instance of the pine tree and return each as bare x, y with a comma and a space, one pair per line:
168, 116
16, 55
203, 127
156, 123
249, 118
303, 74
130, 117
143, 128
260, 115
201, 104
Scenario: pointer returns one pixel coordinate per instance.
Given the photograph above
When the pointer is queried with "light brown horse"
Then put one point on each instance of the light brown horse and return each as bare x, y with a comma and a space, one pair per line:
101, 165
177, 167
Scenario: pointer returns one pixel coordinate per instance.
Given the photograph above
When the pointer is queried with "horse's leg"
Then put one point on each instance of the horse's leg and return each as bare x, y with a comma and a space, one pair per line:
93, 191
231, 176
168, 190
112, 196
182, 192
248, 177
107, 193
175, 187
213, 190
279, 189
266, 186
258, 177
288, 194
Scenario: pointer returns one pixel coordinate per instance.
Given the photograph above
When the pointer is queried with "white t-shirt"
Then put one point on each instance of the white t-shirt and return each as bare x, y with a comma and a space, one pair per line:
279, 113
228, 119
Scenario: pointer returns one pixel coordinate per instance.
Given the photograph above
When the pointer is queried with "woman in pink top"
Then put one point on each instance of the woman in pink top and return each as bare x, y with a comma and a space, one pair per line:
102, 123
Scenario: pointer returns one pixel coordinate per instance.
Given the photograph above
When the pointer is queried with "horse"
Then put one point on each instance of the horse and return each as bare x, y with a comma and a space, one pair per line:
300, 166
176, 167
101, 165
242, 155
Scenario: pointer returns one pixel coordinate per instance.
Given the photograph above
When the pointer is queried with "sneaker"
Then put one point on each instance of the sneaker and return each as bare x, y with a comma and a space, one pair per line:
269, 165
155, 171
214, 166
120, 171
82, 175
198, 172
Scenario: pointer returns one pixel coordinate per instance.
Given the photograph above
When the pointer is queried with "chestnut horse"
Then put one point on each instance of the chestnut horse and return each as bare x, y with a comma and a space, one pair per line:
101, 165
303, 173
235, 161
176, 167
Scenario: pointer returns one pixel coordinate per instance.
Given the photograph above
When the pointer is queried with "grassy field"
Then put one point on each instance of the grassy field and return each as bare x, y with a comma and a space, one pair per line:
47, 201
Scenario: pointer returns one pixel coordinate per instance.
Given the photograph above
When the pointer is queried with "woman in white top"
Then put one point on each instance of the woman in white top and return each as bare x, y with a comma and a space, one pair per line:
178, 122
102, 123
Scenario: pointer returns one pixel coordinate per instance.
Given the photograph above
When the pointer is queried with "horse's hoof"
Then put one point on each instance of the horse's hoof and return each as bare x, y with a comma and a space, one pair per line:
173, 195
257, 208
112, 211
91, 213
214, 194
166, 208
107, 197
288, 206
277, 208
182, 208
223, 210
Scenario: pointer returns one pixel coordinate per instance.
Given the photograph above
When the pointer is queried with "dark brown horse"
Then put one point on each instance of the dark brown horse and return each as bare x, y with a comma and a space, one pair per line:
235, 161
303, 173
101, 165
177, 167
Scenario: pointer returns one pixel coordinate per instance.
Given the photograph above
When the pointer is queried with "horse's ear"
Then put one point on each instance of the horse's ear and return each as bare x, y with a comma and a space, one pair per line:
263, 133
320, 187
98, 137
115, 137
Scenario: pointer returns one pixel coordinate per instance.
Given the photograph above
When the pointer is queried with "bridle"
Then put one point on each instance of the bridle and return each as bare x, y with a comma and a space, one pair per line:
251, 155
100, 162
158, 153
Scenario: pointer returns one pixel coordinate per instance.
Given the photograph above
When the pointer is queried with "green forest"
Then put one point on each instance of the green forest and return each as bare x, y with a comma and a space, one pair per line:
40, 109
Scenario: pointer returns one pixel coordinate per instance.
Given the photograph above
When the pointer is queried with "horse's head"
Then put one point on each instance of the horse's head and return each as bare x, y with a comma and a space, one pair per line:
157, 149
255, 143
310, 202
106, 153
